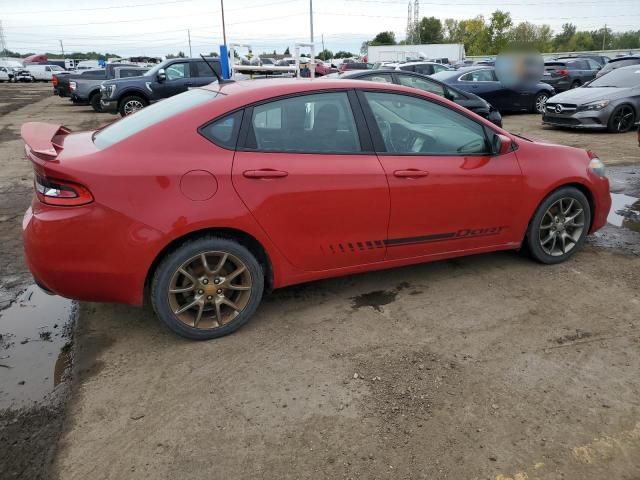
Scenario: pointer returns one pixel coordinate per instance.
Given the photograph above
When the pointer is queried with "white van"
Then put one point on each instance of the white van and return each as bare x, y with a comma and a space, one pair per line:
43, 72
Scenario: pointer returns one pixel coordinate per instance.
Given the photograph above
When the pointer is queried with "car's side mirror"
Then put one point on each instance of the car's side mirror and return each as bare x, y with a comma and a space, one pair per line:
162, 75
501, 144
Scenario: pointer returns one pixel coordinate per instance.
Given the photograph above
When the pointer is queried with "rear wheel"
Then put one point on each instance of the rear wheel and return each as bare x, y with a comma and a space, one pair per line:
131, 105
207, 288
540, 102
560, 225
94, 101
622, 119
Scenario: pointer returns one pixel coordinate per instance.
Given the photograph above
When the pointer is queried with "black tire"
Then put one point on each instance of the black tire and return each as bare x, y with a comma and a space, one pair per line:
161, 282
540, 99
94, 101
533, 239
128, 102
614, 125
575, 84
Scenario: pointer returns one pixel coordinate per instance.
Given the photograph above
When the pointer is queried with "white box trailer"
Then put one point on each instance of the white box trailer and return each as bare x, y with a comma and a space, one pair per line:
454, 52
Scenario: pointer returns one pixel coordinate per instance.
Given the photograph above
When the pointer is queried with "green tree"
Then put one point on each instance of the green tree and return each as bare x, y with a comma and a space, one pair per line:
384, 38
286, 52
453, 31
325, 55
343, 54
476, 36
561, 40
430, 30
499, 26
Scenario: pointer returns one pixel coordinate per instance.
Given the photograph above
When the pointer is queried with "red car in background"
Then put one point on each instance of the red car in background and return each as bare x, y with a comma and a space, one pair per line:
213, 196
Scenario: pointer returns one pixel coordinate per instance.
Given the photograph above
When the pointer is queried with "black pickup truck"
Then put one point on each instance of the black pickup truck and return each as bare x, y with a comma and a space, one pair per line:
127, 95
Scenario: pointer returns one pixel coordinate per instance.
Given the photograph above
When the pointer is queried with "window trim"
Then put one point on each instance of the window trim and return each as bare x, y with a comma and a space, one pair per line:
378, 142
364, 135
477, 81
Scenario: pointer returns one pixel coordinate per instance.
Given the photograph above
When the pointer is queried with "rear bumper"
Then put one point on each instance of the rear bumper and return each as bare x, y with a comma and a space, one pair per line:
88, 253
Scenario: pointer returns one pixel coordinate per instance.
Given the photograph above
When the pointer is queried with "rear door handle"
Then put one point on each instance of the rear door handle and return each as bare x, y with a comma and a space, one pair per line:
265, 173
411, 173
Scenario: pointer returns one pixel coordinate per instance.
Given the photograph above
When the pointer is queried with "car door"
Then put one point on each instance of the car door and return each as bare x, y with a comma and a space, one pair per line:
178, 80
307, 172
202, 74
485, 84
594, 67
449, 193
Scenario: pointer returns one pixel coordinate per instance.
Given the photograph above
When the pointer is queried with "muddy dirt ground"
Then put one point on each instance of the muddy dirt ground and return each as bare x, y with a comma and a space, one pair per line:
486, 367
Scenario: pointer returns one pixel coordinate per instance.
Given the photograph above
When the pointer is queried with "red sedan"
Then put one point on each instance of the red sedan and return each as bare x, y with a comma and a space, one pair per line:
209, 198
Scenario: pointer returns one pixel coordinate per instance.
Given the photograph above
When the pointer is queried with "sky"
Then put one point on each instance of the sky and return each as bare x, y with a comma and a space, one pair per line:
156, 28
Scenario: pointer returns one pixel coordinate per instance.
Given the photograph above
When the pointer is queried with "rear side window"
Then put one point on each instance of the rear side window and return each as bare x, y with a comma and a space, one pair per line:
204, 70
126, 73
479, 76
425, 69
378, 77
421, 83
149, 116
224, 132
317, 123
407, 68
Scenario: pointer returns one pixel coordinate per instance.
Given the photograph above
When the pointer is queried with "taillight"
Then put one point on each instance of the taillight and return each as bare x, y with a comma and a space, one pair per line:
562, 71
61, 192
54, 81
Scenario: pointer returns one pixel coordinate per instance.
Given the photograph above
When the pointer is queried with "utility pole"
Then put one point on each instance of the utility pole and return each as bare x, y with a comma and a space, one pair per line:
189, 35
3, 43
323, 42
224, 31
604, 35
311, 18
61, 48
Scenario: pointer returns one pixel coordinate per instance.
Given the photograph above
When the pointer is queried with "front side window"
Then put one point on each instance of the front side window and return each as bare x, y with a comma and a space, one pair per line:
410, 125
309, 124
479, 76
421, 83
593, 65
177, 71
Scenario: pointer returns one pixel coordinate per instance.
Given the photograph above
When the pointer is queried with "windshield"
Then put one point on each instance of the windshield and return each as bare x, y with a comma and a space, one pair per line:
619, 78
152, 115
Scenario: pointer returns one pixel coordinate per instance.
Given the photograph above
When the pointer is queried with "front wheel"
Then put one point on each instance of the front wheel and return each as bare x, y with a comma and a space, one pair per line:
559, 227
540, 102
622, 119
207, 288
131, 105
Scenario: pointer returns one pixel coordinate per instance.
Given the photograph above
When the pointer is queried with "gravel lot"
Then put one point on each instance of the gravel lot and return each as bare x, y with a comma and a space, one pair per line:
486, 367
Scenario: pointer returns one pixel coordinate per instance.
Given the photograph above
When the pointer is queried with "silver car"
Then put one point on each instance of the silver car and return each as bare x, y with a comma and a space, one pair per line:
611, 102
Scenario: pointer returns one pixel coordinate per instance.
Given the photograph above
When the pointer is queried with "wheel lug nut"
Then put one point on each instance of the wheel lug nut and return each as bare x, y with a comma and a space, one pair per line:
200, 292
205, 281
219, 291
216, 281
209, 297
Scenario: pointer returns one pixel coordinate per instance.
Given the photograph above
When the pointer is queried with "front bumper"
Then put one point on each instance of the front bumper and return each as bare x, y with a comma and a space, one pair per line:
591, 119
109, 106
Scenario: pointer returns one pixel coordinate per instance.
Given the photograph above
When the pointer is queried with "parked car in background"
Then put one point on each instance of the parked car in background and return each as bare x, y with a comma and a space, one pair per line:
425, 68
428, 84
570, 73
324, 68
61, 81
22, 75
482, 81
6, 74
206, 200
611, 102
43, 73
619, 62
344, 66
169, 78
601, 59
86, 88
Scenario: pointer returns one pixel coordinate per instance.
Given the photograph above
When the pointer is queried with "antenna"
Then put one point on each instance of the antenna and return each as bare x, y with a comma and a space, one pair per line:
220, 80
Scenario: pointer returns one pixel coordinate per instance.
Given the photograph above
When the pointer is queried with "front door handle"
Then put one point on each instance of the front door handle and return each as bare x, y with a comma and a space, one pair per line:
411, 173
265, 173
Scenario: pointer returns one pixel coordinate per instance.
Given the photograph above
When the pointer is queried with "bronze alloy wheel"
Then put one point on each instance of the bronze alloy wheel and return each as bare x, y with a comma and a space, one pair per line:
209, 290
561, 227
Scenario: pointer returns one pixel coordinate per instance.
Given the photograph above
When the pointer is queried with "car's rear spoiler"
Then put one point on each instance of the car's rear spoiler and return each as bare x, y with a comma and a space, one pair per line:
39, 137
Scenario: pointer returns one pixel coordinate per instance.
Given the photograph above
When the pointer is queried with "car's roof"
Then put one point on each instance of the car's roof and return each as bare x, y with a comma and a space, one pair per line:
255, 91
627, 57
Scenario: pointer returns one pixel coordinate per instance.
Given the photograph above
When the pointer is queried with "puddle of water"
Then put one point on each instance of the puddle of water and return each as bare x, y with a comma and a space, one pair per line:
625, 212
375, 299
34, 347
